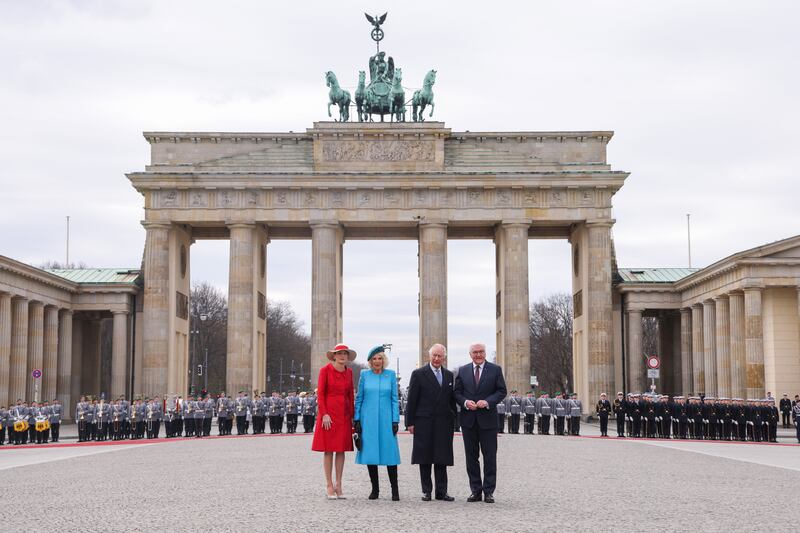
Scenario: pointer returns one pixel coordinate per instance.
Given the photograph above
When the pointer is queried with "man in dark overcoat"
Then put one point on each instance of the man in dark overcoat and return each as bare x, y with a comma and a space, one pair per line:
429, 417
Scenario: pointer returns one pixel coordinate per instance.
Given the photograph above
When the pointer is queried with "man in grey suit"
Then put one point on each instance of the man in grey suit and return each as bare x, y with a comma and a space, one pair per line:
292, 410
574, 407
240, 411
429, 415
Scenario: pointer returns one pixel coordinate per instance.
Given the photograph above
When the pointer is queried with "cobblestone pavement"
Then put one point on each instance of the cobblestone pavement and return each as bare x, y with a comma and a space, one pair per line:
275, 483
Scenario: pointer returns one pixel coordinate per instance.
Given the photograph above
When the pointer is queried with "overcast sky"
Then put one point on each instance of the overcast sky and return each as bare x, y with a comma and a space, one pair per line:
702, 97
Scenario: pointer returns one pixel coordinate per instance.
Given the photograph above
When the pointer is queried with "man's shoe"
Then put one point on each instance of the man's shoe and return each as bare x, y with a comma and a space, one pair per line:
445, 498
426, 497
474, 497
488, 498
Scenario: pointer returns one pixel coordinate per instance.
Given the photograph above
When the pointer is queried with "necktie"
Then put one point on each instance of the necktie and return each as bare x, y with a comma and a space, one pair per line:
477, 374
439, 376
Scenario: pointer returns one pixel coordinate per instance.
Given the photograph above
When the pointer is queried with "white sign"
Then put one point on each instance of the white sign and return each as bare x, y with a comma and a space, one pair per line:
653, 373
534, 381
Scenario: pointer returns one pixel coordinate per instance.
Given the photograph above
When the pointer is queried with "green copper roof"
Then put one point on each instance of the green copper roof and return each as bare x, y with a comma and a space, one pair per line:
654, 275
96, 275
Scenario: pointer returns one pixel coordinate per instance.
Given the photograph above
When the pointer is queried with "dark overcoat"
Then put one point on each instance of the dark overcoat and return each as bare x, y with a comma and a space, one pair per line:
431, 409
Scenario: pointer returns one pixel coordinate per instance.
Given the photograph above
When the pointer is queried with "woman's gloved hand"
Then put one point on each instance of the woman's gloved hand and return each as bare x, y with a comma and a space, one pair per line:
395, 427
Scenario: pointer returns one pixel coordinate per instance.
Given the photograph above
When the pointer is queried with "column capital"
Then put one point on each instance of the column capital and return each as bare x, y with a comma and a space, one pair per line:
720, 297
686, 310
240, 224
118, 312
753, 288
516, 223
148, 225
37, 303
632, 310
600, 223
324, 224
433, 223
66, 312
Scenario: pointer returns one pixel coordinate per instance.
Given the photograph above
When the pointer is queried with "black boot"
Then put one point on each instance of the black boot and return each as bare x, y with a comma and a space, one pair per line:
393, 481
373, 477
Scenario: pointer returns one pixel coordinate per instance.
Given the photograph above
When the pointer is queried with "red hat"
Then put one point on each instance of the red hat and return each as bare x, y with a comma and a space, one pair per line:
351, 354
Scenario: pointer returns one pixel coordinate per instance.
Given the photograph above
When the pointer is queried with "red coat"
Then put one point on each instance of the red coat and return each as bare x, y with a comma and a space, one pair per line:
334, 398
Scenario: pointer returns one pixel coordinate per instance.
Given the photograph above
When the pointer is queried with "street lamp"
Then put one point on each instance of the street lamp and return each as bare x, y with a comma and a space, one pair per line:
203, 318
292, 375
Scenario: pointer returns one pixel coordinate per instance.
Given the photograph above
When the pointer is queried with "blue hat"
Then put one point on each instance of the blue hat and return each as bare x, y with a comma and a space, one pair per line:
376, 350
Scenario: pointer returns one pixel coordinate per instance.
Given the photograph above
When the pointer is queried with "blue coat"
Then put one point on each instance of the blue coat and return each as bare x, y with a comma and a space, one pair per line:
377, 407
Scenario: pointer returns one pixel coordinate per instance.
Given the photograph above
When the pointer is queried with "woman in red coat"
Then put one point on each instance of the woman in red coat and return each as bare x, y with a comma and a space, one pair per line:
334, 428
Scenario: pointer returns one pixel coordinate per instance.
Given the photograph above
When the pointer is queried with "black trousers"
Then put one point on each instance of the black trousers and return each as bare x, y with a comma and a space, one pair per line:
291, 423
479, 442
440, 473
207, 426
240, 428
603, 424
529, 424
544, 420
513, 423
575, 425
560, 425
501, 423
2, 435
785, 417
308, 424
666, 426
621, 425
198, 427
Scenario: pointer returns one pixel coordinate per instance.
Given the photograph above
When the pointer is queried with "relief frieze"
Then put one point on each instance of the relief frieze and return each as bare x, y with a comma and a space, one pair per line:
378, 151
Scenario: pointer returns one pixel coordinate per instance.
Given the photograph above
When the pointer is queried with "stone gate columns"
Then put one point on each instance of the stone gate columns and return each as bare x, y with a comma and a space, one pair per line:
432, 287
737, 345
35, 347
326, 292
635, 357
686, 351
599, 312
710, 348
64, 364
698, 351
119, 359
247, 308
5, 346
723, 342
50, 358
19, 349
156, 319
513, 333
754, 342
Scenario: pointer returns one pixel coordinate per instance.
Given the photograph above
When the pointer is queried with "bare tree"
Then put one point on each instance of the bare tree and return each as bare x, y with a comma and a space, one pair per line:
649, 335
551, 342
208, 336
58, 265
288, 350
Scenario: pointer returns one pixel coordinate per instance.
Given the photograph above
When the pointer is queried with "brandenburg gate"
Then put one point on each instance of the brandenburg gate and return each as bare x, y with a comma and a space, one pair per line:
374, 180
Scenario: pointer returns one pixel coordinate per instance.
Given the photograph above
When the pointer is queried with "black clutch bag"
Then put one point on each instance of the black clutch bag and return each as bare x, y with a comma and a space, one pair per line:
357, 441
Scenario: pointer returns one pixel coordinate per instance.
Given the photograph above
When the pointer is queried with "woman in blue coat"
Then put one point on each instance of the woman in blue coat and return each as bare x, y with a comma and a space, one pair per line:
376, 419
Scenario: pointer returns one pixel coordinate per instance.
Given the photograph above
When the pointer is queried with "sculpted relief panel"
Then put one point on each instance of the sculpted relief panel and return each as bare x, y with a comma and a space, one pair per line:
378, 150
380, 198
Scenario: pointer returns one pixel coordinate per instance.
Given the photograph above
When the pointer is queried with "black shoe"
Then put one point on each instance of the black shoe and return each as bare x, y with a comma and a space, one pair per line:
488, 498
426, 497
445, 498
373, 495
395, 496
474, 497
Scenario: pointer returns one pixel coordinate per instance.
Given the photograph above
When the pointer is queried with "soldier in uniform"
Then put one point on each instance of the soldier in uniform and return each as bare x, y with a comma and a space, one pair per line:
786, 410
544, 409
17, 414
3, 424
574, 409
33, 410
666, 416
177, 418
679, 418
796, 415
223, 414
501, 416
240, 411
529, 409
514, 409
208, 414
276, 411
772, 419
42, 415
603, 408
292, 410
620, 409
710, 417
198, 416
260, 406
188, 415
117, 420
560, 412
636, 411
